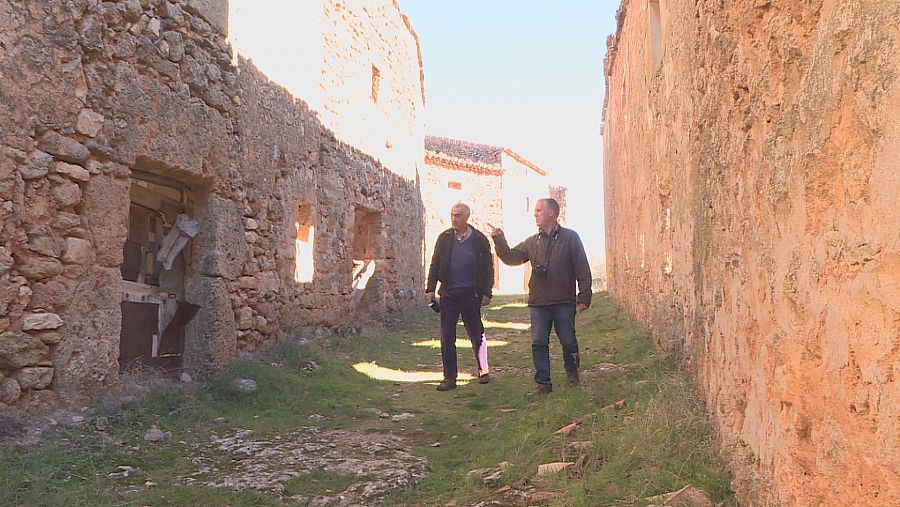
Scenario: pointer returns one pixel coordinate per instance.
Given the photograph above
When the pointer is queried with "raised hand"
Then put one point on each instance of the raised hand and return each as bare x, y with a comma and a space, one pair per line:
495, 232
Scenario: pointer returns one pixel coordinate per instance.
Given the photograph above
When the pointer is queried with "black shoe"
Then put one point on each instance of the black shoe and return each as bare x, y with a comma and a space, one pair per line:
540, 390
484, 379
574, 381
446, 385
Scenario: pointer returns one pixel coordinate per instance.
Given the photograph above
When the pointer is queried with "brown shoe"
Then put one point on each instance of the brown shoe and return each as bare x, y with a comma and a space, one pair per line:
446, 385
541, 389
573, 378
484, 379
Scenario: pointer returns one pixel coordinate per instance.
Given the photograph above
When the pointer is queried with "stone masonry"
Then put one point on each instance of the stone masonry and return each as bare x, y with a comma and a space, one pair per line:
752, 174
116, 117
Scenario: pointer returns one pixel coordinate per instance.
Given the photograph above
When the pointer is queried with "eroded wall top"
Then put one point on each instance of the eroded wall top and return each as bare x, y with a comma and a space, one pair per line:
357, 63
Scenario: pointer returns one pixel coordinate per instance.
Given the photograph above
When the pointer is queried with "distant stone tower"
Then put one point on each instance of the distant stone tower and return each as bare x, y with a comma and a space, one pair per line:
559, 193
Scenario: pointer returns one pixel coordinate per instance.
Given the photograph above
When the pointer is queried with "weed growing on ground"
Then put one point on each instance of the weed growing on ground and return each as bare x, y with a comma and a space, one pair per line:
318, 482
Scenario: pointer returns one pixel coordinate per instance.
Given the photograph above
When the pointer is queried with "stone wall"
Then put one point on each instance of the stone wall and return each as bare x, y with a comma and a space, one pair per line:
752, 174
101, 97
523, 185
357, 64
560, 193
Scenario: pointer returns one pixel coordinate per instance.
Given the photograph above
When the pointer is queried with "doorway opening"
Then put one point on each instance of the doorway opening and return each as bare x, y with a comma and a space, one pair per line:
366, 247
154, 312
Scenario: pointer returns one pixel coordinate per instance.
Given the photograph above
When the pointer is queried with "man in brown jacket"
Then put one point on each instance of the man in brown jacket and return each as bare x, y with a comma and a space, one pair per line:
558, 261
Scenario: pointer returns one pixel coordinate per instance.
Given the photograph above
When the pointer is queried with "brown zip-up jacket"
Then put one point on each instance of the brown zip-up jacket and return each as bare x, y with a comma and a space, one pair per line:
567, 265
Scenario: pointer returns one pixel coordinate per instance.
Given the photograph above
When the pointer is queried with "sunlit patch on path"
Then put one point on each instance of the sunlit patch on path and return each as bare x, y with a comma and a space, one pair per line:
373, 370
460, 343
518, 326
508, 305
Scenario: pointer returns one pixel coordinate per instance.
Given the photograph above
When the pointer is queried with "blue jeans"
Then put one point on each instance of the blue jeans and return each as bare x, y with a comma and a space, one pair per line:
561, 317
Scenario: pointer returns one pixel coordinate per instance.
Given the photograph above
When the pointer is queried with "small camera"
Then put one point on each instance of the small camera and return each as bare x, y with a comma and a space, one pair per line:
435, 306
539, 271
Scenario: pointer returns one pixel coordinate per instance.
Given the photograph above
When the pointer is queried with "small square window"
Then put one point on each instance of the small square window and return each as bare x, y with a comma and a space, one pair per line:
455, 185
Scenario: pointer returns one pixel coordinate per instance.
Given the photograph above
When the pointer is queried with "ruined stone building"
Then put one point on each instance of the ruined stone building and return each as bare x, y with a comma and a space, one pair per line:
358, 64
165, 202
499, 185
752, 174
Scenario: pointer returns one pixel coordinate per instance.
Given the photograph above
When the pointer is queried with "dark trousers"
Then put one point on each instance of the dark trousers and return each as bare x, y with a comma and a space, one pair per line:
456, 303
562, 318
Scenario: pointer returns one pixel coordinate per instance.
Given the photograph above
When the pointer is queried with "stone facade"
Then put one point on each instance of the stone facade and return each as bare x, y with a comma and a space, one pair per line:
156, 188
358, 64
752, 187
499, 185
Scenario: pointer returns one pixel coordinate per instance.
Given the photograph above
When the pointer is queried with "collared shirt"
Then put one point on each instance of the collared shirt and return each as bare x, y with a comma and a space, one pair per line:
552, 229
465, 235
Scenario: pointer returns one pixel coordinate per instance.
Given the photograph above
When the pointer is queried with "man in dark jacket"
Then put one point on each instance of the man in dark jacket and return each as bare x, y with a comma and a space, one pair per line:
463, 264
558, 261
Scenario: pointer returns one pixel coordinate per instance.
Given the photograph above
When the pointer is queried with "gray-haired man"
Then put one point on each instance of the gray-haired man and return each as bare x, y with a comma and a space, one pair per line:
558, 261
463, 264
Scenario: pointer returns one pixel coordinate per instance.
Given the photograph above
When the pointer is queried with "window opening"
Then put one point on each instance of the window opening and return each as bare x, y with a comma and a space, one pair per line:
366, 248
656, 42
376, 83
304, 241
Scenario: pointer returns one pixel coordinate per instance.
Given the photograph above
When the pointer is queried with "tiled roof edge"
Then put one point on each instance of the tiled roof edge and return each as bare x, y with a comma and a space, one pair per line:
460, 164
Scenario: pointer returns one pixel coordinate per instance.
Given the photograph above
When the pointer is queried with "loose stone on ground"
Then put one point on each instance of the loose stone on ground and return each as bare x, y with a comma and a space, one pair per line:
240, 462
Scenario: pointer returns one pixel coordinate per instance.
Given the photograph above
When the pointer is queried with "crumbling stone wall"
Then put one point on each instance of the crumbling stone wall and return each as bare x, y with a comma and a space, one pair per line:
374, 50
560, 193
96, 94
358, 64
751, 174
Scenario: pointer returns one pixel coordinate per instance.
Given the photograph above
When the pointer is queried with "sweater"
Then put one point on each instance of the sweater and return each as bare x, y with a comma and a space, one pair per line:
439, 270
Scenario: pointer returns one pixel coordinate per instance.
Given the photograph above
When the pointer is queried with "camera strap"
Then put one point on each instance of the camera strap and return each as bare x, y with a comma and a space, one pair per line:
551, 240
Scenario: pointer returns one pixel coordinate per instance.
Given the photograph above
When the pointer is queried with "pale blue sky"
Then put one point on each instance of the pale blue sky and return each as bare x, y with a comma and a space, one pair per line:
528, 75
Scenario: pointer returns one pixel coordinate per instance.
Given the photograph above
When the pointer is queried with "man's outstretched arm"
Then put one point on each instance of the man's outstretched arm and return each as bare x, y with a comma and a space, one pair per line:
509, 256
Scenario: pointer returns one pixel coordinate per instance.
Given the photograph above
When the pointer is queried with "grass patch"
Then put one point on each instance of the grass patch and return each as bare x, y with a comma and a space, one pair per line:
642, 429
318, 482
657, 441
